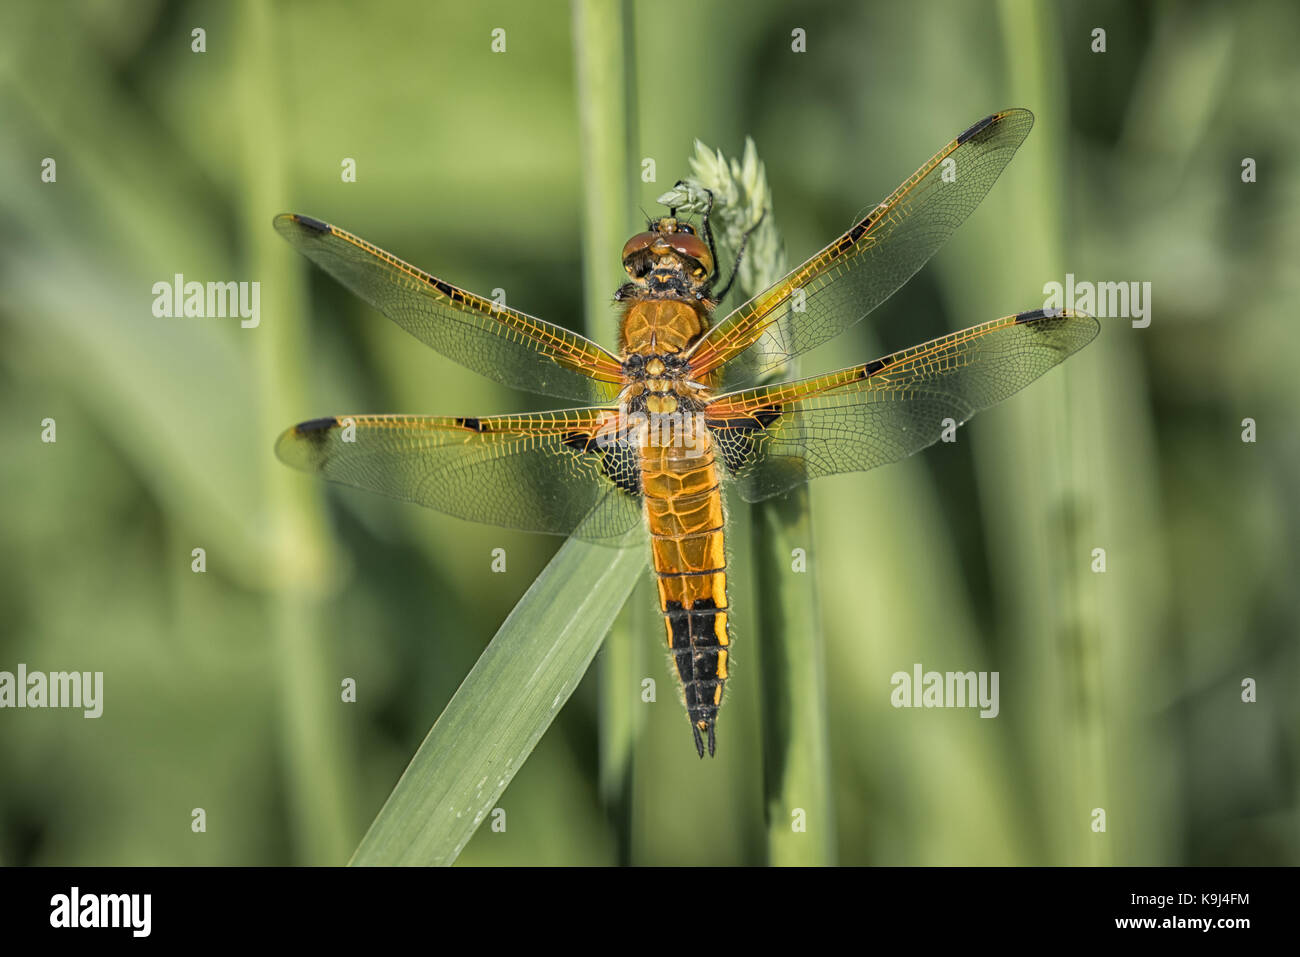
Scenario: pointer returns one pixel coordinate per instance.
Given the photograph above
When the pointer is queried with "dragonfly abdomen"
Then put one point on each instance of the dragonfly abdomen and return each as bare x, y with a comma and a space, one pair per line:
683, 507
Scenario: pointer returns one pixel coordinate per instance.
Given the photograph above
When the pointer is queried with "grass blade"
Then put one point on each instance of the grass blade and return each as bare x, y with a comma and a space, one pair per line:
603, 58
507, 702
315, 742
796, 741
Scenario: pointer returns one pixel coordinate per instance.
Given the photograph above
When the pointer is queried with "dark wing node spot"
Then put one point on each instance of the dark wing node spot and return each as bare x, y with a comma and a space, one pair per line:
618, 460
314, 224
447, 289
976, 128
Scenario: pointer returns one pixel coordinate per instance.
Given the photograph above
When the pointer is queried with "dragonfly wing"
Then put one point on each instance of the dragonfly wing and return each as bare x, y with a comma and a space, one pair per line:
776, 437
566, 472
839, 286
501, 343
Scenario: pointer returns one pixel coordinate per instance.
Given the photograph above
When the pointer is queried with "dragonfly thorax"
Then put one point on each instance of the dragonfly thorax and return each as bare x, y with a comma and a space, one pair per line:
659, 383
640, 366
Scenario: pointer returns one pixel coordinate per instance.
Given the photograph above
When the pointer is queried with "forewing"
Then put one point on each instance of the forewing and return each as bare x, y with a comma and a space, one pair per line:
567, 472
501, 343
839, 286
774, 438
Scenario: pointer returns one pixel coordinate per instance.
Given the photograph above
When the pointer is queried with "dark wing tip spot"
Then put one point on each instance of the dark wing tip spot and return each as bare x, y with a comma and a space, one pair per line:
474, 425
1032, 315
872, 367
313, 426
313, 224
976, 128
315, 429
756, 420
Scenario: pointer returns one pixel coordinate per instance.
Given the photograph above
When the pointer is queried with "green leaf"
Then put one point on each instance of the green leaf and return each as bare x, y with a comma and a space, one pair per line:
603, 65
500, 712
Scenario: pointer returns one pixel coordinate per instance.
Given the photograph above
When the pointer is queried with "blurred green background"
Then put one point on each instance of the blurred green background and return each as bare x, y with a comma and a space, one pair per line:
1119, 690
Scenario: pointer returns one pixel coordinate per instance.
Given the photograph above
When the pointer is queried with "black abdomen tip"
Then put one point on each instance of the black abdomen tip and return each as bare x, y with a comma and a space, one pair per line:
702, 726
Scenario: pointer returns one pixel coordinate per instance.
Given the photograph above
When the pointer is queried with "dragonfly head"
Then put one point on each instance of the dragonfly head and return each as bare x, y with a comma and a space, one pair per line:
667, 261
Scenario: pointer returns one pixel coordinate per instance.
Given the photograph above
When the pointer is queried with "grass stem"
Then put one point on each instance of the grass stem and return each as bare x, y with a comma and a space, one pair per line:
601, 46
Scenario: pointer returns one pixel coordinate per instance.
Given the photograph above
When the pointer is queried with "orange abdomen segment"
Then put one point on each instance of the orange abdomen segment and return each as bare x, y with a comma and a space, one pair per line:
683, 507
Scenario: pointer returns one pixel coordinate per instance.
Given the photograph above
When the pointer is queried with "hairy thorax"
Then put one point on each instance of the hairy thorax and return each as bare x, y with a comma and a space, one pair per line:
654, 338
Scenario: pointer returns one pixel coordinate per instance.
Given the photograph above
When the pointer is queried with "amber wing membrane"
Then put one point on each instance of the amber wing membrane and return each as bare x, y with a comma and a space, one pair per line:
774, 438
561, 472
839, 286
501, 343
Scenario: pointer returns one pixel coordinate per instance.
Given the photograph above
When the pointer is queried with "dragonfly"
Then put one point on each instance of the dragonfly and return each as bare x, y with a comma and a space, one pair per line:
684, 407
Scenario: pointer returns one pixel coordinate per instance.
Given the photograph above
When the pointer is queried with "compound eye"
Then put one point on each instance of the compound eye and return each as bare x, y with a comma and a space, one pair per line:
686, 228
636, 244
693, 247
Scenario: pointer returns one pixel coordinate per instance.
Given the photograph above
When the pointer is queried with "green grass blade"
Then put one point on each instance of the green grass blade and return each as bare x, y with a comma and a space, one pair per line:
507, 702
796, 740
603, 55
315, 741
